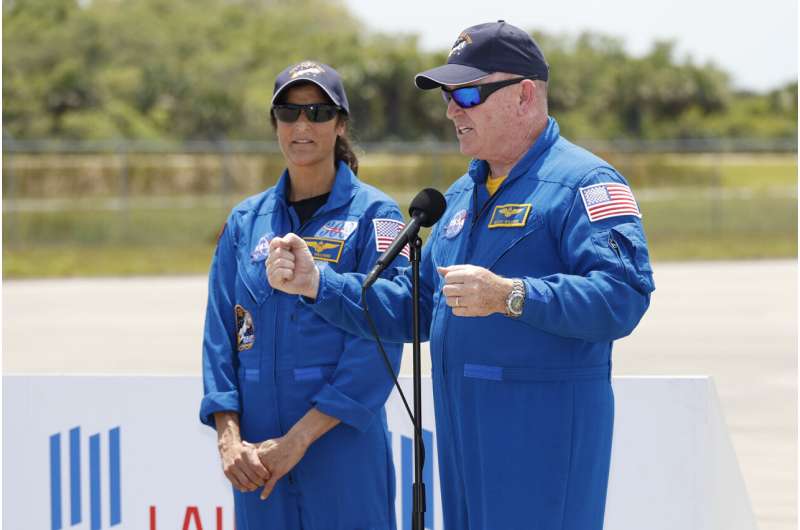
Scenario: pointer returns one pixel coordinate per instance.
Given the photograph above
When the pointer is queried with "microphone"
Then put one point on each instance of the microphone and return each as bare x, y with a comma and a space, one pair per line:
426, 208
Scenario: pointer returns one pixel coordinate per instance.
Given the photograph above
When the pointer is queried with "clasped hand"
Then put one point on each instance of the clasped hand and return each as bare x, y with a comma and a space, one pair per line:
250, 466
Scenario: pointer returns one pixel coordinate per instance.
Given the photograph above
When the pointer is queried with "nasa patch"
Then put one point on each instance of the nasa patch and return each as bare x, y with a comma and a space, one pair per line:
245, 331
261, 250
337, 229
456, 224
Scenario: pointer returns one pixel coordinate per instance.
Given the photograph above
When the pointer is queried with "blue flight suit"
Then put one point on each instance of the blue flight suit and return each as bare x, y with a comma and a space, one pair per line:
524, 407
271, 359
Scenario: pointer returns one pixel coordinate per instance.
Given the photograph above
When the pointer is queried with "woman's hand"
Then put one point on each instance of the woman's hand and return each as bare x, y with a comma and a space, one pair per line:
290, 266
241, 465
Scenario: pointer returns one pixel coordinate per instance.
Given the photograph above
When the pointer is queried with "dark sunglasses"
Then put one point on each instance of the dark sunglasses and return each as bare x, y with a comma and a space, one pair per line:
316, 112
472, 96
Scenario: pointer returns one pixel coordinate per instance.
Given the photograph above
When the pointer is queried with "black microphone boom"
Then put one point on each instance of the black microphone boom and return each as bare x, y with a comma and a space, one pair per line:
426, 208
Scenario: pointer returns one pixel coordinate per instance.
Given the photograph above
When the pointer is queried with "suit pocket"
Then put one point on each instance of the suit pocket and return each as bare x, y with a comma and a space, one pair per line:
628, 242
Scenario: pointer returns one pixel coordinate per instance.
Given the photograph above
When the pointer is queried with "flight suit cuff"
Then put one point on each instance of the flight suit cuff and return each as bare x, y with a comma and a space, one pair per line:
218, 402
537, 296
330, 287
334, 403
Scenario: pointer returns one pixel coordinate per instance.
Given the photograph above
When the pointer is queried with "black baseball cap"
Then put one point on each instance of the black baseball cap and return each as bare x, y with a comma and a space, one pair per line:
484, 49
322, 75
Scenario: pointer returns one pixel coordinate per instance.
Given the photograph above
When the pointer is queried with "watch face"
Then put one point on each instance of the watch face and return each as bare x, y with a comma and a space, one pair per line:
516, 304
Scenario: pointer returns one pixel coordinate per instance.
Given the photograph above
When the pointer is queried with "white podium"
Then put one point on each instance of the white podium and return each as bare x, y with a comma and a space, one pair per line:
128, 452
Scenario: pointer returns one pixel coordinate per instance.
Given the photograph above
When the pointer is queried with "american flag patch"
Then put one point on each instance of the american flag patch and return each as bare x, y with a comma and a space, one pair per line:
609, 200
385, 232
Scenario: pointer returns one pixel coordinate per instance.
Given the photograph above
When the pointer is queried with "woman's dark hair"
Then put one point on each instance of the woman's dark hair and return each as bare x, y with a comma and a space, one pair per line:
342, 150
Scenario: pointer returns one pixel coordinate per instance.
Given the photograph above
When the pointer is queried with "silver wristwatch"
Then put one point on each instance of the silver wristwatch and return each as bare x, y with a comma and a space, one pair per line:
515, 301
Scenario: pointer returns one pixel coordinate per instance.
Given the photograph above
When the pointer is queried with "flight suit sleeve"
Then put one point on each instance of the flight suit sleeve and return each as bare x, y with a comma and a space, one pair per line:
360, 383
220, 381
606, 289
389, 301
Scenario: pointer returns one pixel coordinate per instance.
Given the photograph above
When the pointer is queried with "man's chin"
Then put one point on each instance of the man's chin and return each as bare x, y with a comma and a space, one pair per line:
466, 148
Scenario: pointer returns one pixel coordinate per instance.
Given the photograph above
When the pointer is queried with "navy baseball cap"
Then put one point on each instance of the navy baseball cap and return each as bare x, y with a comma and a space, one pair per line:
484, 49
322, 75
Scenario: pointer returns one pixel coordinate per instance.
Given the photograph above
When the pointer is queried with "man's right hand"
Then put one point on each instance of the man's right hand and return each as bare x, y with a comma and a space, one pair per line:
290, 266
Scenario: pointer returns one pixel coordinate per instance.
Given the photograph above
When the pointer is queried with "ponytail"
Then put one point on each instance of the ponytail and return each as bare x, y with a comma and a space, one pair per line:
344, 151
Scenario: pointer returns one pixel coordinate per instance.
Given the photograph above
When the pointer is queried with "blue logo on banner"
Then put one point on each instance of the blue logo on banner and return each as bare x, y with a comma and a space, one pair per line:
115, 506
407, 475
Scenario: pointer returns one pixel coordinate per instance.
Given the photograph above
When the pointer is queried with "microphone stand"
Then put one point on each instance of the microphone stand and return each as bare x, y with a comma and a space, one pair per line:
419, 449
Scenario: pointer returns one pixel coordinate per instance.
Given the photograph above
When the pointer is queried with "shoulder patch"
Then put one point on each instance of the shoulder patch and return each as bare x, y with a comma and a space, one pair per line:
609, 199
385, 232
245, 331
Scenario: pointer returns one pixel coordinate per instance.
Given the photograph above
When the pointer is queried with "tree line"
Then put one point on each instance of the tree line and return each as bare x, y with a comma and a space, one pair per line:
204, 69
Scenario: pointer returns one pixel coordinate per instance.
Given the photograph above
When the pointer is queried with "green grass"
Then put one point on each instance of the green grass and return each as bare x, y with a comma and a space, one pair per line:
173, 174
108, 260
681, 224
62, 220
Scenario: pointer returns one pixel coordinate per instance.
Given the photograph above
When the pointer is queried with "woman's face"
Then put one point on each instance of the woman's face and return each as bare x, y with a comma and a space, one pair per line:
303, 142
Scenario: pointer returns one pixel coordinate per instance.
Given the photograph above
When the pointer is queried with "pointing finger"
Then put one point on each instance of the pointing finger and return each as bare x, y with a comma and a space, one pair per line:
268, 487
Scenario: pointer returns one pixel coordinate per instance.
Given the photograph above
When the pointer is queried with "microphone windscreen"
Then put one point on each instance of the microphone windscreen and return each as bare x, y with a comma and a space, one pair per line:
429, 205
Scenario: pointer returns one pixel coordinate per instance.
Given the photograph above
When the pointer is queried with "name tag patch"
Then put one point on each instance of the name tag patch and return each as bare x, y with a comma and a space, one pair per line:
325, 249
337, 229
245, 331
509, 215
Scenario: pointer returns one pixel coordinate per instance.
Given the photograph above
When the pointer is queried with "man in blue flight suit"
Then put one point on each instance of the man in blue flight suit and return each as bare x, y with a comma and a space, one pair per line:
537, 266
297, 402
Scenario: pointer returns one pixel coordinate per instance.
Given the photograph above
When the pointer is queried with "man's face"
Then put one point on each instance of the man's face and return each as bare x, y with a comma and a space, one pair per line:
484, 131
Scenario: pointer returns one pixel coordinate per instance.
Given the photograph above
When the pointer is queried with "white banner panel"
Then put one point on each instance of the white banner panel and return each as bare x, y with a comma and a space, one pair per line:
127, 452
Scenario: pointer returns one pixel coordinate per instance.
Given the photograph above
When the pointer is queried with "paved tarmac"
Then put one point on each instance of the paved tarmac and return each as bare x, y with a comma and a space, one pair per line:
735, 321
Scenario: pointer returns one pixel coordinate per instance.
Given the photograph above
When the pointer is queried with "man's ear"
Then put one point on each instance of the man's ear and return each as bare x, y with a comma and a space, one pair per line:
528, 94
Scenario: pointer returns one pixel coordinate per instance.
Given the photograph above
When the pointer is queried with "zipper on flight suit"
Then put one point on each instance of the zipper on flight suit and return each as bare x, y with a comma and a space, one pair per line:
293, 319
615, 247
290, 474
467, 252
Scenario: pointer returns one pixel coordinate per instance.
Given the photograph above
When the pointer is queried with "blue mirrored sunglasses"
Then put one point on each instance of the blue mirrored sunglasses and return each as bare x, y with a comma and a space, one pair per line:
472, 96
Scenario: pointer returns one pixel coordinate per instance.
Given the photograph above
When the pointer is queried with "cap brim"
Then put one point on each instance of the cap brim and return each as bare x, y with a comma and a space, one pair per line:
448, 74
297, 80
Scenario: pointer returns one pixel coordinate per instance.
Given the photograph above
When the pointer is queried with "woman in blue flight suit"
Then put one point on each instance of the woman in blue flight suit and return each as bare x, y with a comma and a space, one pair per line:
298, 403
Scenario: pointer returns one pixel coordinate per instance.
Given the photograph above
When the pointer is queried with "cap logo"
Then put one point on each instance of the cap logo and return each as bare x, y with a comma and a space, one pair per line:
307, 69
461, 43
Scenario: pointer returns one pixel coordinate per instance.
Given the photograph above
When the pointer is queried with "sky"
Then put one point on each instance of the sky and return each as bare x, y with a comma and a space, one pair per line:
755, 42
